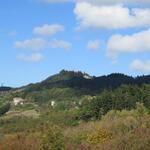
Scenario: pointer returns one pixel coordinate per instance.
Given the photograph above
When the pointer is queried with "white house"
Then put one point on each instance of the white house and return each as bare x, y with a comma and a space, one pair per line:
18, 101
53, 103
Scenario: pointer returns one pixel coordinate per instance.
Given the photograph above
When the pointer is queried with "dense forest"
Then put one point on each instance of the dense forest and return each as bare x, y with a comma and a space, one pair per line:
76, 111
86, 82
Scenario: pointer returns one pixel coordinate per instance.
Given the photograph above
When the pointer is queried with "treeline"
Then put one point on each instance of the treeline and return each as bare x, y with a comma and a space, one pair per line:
4, 89
4, 108
124, 97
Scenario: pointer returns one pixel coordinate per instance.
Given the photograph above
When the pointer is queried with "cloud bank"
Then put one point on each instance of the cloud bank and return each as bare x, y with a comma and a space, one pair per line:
138, 42
100, 2
138, 65
110, 17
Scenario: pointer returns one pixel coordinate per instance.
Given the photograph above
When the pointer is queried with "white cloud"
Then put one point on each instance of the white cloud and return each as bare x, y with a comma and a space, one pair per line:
38, 43
93, 45
112, 2
110, 17
138, 1
138, 42
141, 66
48, 29
34, 44
100, 2
35, 57
60, 44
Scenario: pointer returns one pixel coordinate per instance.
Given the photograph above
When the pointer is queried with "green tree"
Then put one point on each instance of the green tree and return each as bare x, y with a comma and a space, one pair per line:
4, 108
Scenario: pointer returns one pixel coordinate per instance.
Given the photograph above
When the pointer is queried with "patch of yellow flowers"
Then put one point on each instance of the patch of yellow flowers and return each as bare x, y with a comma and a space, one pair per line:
98, 137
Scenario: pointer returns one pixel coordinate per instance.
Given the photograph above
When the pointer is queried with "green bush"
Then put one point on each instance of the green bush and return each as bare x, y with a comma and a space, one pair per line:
4, 108
53, 139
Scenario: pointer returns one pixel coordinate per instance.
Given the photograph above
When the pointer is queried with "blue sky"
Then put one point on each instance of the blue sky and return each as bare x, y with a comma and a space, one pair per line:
39, 38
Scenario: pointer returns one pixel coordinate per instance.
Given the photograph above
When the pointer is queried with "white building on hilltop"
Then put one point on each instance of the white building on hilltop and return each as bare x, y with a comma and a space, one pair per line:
18, 101
87, 77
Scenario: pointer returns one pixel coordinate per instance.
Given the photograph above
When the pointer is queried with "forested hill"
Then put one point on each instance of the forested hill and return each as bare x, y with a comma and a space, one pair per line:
4, 89
79, 80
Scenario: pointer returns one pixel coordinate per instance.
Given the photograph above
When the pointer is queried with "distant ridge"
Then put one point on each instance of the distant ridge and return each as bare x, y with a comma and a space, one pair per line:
83, 81
5, 89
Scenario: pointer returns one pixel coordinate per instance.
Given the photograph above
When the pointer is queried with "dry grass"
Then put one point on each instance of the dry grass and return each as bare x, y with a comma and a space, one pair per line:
20, 142
118, 130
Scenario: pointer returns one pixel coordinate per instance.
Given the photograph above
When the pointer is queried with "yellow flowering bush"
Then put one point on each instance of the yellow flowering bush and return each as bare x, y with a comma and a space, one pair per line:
98, 137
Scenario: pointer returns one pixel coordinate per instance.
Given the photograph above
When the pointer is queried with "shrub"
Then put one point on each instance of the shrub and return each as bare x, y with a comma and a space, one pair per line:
53, 139
139, 139
99, 136
141, 110
4, 108
20, 142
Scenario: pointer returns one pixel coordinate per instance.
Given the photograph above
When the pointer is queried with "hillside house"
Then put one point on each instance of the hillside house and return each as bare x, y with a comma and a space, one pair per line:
18, 101
53, 103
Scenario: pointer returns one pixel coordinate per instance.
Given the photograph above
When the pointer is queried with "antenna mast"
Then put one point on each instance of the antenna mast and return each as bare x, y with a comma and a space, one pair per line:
2, 84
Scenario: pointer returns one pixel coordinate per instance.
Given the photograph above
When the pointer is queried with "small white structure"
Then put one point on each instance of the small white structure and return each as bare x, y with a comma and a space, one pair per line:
87, 77
53, 103
18, 101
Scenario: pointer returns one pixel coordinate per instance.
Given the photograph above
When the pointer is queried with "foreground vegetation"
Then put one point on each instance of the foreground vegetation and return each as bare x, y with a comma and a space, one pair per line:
122, 130
115, 118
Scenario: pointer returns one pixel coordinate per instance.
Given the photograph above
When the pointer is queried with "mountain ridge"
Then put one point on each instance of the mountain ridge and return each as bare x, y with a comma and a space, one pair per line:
78, 79
83, 81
